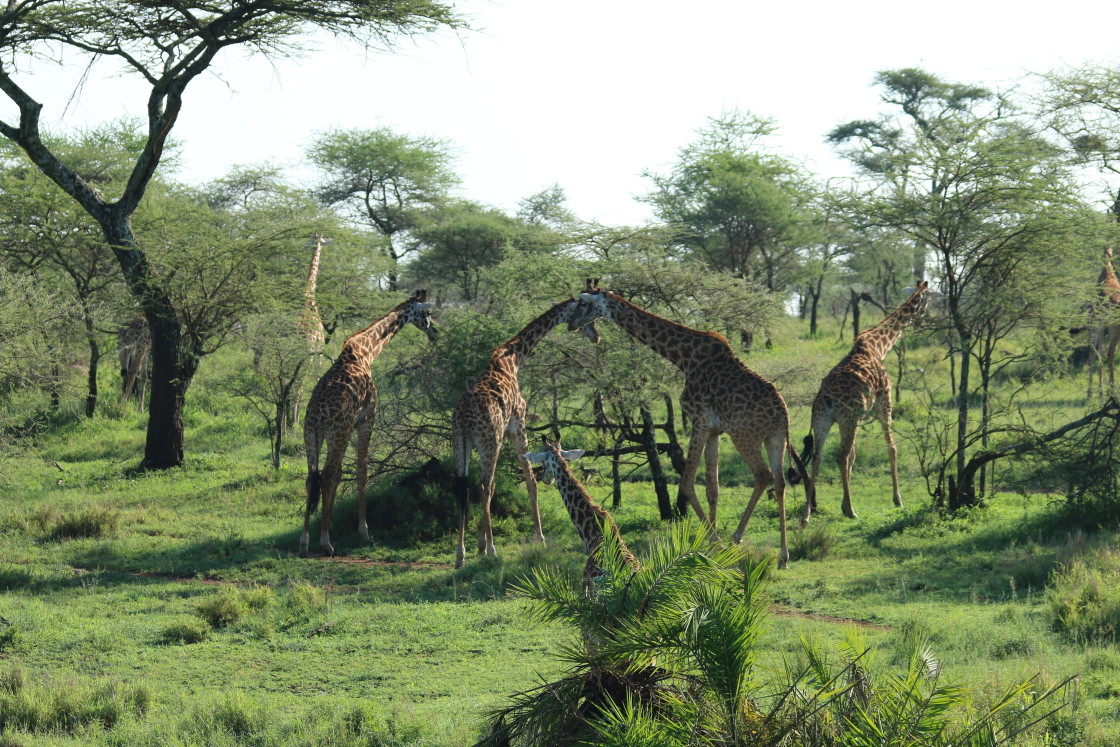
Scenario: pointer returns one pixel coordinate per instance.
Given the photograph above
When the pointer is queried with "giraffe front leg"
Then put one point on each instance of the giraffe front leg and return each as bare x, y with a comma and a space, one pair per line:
687, 487
361, 454
845, 459
522, 444
332, 475
711, 475
486, 493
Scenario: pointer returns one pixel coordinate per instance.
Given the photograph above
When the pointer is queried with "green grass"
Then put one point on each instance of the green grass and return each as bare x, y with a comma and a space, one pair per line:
184, 587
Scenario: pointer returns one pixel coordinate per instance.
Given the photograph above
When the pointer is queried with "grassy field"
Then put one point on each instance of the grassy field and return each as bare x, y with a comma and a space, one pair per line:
170, 608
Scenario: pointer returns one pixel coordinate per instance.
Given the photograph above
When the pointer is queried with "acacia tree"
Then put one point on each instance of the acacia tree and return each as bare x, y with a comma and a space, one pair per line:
961, 173
168, 46
733, 202
385, 181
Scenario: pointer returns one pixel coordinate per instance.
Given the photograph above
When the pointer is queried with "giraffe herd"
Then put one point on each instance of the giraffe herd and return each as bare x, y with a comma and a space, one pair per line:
721, 395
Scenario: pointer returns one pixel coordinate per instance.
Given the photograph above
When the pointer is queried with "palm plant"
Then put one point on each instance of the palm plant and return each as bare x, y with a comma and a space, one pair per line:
667, 656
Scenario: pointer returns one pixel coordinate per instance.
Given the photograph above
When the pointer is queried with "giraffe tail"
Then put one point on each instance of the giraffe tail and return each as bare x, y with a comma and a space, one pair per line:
796, 470
314, 488
463, 492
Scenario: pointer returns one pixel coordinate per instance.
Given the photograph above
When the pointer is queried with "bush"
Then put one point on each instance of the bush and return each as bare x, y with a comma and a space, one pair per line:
224, 608
66, 706
1084, 599
96, 521
188, 631
812, 542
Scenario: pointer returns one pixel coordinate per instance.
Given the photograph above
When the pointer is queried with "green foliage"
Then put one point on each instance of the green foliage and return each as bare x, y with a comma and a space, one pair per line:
186, 632
230, 605
815, 541
47, 706
1083, 597
96, 521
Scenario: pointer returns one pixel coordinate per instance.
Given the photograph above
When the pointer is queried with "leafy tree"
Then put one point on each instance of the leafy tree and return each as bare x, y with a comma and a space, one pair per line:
961, 173
738, 208
461, 243
385, 181
45, 232
168, 46
32, 315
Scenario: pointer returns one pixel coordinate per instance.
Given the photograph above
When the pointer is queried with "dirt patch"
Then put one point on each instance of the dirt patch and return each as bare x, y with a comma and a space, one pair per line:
796, 613
408, 564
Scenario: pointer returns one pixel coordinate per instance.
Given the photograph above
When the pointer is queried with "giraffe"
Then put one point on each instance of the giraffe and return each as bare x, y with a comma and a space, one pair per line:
721, 395
134, 343
492, 408
310, 324
343, 402
1107, 330
591, 520
856, 387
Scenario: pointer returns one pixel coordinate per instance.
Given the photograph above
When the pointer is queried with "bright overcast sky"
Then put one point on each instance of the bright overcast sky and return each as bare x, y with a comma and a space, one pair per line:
588, 93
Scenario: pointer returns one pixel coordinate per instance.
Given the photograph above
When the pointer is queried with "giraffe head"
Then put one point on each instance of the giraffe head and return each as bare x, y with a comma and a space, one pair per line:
591, 305
418, 311
590, 331
552, 460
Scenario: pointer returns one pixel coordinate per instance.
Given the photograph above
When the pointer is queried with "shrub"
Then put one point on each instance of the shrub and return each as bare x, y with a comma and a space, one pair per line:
304, 599
224, 608
812, 542
97, 521
1084, 599
188, 631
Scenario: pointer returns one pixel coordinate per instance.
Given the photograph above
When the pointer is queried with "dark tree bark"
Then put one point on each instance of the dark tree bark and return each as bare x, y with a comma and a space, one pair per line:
649, 439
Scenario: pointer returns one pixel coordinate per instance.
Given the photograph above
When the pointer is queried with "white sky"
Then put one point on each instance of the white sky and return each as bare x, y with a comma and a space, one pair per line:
588, 93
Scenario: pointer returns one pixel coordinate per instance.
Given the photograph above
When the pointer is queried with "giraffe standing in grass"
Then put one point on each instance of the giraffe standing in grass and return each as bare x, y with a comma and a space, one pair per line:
492, 408
856, 388
343, 402
591, 520
1104, 336
721, 395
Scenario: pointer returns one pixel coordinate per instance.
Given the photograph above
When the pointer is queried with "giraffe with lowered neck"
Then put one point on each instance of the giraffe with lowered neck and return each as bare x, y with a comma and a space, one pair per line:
344, 402
857, 387
491, 408
310, 324
1107, 331
592, 521
721, 395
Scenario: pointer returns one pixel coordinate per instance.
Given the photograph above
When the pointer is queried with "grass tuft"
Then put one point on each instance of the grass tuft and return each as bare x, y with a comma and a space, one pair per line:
186, 632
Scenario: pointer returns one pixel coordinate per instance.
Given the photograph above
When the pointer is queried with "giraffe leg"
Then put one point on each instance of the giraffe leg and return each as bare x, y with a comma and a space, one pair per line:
751, 452
488, 458
332, 475
312, 444
845, 459
522, 443
462, 448
687, 487
361, 454
822, 424
892, 451
711, 475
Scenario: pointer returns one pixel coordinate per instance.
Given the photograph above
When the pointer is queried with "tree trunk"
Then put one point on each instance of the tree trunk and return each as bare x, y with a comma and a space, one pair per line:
174, 362
855, 314
616, 475
94, 358
649, 440
963, 405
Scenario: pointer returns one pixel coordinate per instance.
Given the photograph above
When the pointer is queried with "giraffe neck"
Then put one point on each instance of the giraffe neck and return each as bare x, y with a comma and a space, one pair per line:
521, 345
312, 322
365, 345
877, 341
682, 346
586, 516
1109, 283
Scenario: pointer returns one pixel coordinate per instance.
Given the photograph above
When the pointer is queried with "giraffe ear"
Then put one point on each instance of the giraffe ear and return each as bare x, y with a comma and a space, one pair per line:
424, 306
534, 457
586, 297
572, 454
